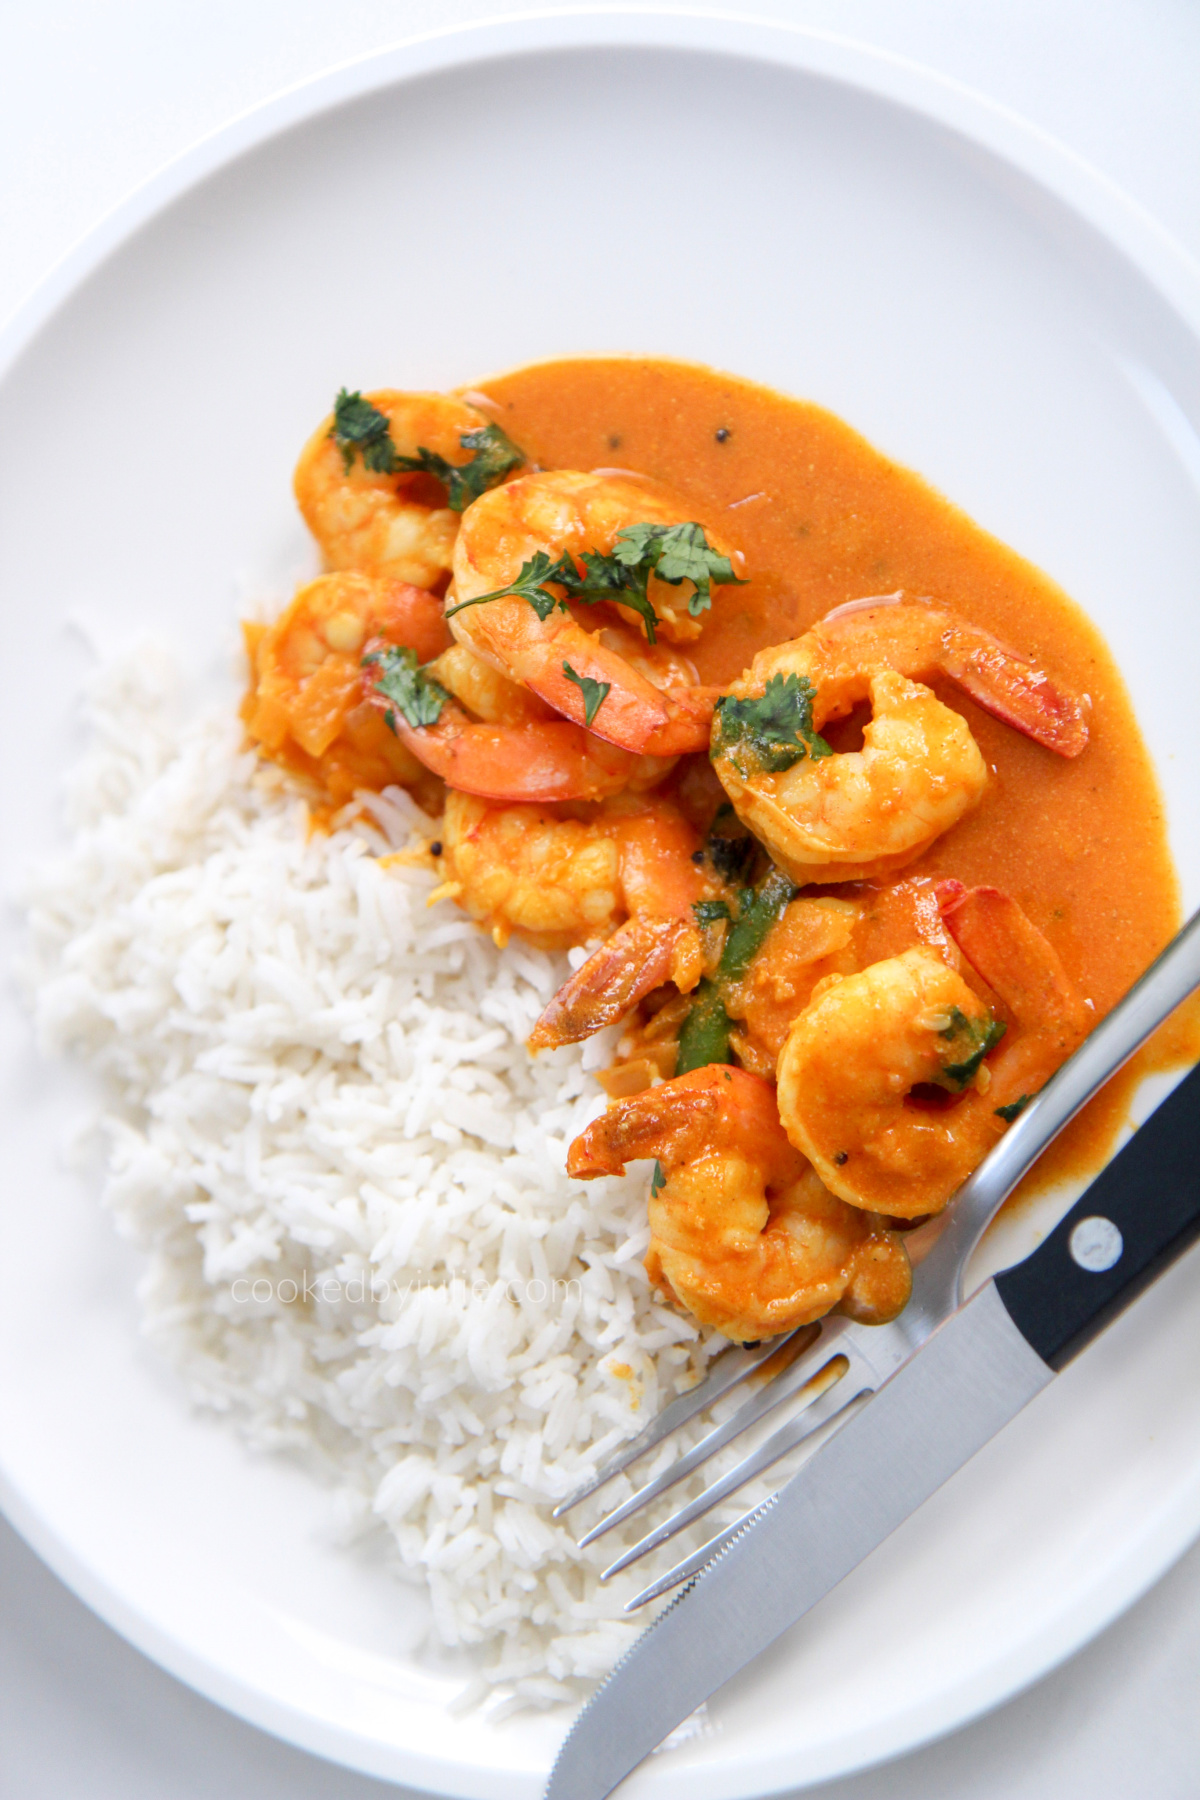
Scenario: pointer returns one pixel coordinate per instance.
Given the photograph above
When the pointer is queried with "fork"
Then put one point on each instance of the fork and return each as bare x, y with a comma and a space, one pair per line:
829, 1366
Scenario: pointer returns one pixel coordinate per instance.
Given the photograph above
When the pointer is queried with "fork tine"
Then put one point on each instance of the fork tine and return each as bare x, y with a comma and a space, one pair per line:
691, 1565
797, 1375
841, 1394
736, 1364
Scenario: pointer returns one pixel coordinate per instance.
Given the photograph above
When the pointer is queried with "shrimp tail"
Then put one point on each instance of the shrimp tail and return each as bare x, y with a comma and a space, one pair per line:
414, 616
538, 761
643, 954
634, 714
921, 641
1017, 693
1018, 963
677, 1122
688, 726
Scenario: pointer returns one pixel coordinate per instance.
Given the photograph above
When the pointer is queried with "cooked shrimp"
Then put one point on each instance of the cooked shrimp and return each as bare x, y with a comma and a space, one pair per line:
305, 706
514, 747
650, 702
743, 1234
865, 813
857, 1057
365, 512
560, 877
664, 939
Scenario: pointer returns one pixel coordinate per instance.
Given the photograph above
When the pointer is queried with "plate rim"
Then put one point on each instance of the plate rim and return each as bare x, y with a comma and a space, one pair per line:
1156, 256
882, 73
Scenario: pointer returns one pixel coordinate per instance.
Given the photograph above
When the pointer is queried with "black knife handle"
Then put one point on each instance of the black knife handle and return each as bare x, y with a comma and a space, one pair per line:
1138, 1215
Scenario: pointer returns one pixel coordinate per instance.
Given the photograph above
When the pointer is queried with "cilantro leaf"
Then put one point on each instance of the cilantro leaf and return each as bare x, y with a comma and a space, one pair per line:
709, 911
1013, 1109
531, 585
977, 1039
677, 553
414, 693
704, 1035
493, 456
775, 730
658, 1180
758, 909
595, 693
359, 426
607, 578
600, 580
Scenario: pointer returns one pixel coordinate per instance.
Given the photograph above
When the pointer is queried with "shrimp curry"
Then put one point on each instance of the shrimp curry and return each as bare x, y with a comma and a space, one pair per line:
839, 803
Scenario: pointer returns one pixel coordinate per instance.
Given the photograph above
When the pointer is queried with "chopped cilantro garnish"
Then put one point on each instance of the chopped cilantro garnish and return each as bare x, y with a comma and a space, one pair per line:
359, 426
594, 692
758, 909
709, 911
773, 731
658, 1180
676, 553
1013, 1109
977, 1039
621, 583
531, 584
417, 695
493, 456
704, 1035
602, 579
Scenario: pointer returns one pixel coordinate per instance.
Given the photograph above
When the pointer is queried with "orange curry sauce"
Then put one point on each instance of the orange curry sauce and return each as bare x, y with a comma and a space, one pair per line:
823, 518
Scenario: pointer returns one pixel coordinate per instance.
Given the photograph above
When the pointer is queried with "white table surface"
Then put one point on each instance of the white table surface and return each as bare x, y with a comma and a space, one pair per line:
93, 98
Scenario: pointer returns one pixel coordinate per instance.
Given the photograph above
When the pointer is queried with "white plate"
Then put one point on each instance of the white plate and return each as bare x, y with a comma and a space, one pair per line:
775, 202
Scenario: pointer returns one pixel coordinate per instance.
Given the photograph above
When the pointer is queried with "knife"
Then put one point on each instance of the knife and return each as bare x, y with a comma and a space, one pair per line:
970, 1376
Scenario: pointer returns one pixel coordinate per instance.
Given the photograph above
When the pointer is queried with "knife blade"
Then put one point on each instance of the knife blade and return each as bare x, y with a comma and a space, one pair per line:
972, 1375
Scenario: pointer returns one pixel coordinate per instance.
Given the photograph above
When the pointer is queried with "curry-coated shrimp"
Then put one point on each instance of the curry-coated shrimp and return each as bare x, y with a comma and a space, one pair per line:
305, 706
865, 1042
369, 512
864, 813
643, 696
493, 738
743, 1234
560, 877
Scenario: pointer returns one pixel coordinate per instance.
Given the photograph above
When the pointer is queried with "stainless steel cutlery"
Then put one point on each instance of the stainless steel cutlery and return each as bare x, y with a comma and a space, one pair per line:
932, 1388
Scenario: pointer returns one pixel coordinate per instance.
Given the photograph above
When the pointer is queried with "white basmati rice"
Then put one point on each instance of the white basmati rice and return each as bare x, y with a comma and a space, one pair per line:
348, 1173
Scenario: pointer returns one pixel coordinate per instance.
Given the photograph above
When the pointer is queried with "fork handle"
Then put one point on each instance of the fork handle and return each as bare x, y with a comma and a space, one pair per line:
1138, 1215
